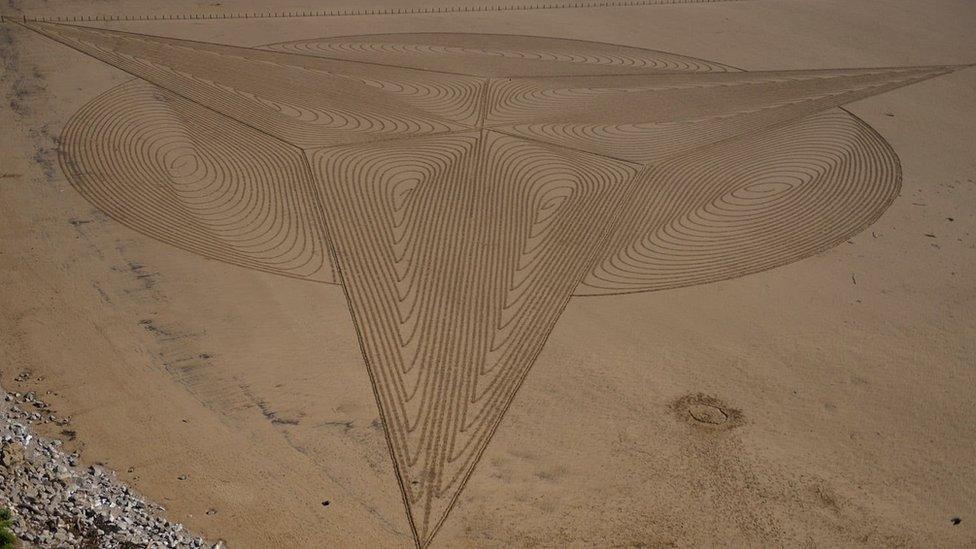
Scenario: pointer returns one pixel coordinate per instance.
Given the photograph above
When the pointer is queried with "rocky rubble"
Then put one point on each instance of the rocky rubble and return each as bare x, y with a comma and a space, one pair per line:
57, 503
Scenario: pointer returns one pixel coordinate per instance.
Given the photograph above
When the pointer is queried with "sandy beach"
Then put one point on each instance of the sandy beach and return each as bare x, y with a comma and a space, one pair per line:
800, 379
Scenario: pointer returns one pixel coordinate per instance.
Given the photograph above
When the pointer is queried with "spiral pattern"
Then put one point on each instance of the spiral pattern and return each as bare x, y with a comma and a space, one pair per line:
498, 55
295, 100
185, 175
748, 205
647, 119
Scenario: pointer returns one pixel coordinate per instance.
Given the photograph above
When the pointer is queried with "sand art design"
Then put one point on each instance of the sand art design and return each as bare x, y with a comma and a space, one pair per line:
461, 211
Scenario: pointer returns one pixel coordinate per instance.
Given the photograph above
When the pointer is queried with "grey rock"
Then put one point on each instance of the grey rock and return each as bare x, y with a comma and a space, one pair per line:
56, 504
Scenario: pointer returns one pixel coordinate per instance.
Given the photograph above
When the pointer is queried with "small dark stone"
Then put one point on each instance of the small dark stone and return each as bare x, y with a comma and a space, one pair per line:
955, 520
326, 503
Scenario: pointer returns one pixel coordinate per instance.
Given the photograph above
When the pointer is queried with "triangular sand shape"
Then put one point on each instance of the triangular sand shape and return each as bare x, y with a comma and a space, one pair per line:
484, 312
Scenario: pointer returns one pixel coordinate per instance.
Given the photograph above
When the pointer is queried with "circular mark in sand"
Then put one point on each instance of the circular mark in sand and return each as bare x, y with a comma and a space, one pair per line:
707, 414
706, 411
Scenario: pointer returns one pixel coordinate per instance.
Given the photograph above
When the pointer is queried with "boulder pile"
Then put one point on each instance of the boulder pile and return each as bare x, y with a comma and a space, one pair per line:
55, 502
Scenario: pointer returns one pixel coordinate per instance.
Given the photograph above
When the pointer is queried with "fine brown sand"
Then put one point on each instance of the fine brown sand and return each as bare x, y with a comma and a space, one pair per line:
776, 372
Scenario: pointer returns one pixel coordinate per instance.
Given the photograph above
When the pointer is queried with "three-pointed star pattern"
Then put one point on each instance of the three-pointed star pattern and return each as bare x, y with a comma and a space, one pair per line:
460, 210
